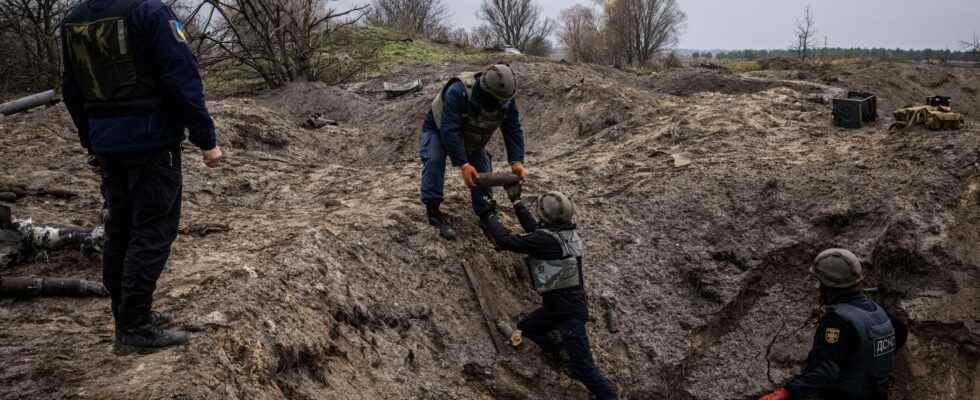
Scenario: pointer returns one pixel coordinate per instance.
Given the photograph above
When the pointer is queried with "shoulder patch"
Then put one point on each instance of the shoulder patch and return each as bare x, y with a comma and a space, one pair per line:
832, 335
178, 30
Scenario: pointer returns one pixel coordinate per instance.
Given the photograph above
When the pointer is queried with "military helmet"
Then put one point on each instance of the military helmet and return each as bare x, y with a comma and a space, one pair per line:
837, 268
554, 208
499, 81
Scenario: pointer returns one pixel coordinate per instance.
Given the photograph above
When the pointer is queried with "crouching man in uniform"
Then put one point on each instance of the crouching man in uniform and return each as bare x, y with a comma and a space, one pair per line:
856, 342
554, 258
463, 119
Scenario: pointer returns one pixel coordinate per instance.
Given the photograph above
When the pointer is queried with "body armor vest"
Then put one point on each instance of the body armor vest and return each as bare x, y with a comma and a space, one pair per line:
563, 273
100, 55
869, 368
478, 128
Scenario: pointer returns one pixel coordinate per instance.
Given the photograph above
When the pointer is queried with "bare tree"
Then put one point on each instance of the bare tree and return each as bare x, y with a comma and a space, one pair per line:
280, 40
424, 17
517, 23
639, 30
29, 34
459, 36
484, 37
973, 46
806, 33
581, 34
540, 46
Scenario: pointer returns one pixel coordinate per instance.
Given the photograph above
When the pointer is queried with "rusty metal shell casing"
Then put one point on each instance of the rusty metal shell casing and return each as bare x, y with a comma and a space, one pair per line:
612, 319
514, 335
492, 179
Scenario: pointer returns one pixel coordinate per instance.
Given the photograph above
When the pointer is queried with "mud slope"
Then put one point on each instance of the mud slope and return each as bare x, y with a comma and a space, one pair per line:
701, 209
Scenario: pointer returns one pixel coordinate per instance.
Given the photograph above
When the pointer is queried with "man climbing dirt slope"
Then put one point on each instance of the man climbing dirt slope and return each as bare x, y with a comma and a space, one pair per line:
305, 267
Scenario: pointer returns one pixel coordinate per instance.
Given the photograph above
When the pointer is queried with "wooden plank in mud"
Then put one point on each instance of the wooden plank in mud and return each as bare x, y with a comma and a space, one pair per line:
486, 308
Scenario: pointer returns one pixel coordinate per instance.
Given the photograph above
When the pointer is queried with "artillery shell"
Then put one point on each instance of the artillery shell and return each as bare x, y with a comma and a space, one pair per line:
490, 179
514, 335
612, 320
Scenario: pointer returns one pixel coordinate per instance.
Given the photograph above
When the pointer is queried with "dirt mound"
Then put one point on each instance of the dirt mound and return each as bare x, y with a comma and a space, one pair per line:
688, 81
897, 84
701, 213
901, 84
300, 101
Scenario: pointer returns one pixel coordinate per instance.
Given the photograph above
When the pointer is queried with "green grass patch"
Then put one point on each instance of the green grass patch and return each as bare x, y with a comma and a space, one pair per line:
739, 67
396, 48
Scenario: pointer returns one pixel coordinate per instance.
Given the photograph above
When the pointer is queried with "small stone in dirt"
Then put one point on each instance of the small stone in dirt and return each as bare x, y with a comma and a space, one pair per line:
318, 121
203, 230
475, 372
682, 159
214, 319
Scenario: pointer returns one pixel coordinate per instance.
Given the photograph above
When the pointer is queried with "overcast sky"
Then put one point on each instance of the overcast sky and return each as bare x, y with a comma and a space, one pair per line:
740, 24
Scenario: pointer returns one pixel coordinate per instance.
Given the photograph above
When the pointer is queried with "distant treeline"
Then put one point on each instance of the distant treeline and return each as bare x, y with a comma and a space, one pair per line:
836, 53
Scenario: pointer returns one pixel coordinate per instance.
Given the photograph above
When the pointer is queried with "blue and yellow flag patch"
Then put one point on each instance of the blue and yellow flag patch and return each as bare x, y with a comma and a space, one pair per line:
178, 30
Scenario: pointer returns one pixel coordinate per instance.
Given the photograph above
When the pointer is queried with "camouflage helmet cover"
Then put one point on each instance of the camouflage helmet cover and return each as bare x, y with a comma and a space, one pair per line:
554, 208
837, 268
499, 81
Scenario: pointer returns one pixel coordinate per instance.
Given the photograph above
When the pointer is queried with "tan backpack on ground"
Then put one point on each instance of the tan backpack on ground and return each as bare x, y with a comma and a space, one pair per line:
933, 118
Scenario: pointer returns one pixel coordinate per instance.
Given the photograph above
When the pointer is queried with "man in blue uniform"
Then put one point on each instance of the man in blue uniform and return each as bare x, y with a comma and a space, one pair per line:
856, 342
554, 259
132, 87
463, 119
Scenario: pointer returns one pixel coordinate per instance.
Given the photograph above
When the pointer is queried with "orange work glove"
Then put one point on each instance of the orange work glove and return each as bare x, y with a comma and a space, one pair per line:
469, 174
781, 394
519, 170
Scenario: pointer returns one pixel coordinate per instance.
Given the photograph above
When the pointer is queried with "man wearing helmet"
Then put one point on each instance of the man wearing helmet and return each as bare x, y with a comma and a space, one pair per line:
856, 342
554, 259
463, 119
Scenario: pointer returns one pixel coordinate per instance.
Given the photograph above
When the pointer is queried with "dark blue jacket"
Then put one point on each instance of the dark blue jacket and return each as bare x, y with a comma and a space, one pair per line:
179, 83
828, 358
455, 105
565, 303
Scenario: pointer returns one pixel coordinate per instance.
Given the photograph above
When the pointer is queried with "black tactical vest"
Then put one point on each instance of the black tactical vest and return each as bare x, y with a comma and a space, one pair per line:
868, 370
100, 55
477, 128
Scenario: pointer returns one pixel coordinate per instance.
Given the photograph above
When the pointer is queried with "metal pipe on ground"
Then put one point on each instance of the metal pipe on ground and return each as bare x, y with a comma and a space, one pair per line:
26, 103
50, 287
492, 179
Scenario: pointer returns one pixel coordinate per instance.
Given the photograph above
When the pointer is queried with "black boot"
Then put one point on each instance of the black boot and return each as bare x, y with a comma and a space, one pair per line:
148, 338
558, 361
158, 319
438, 220
161, 319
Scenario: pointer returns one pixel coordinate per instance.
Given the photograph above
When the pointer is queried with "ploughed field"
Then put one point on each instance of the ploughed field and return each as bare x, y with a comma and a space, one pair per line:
307, 271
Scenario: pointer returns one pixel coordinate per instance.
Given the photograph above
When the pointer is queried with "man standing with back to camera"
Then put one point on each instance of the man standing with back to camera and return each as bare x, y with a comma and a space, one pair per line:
132, 87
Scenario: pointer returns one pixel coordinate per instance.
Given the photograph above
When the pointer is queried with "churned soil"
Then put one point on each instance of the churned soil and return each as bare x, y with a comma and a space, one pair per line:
306, 270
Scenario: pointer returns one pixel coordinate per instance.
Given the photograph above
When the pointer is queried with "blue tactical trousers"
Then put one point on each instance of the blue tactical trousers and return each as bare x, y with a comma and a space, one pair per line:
575, 342
433, 155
